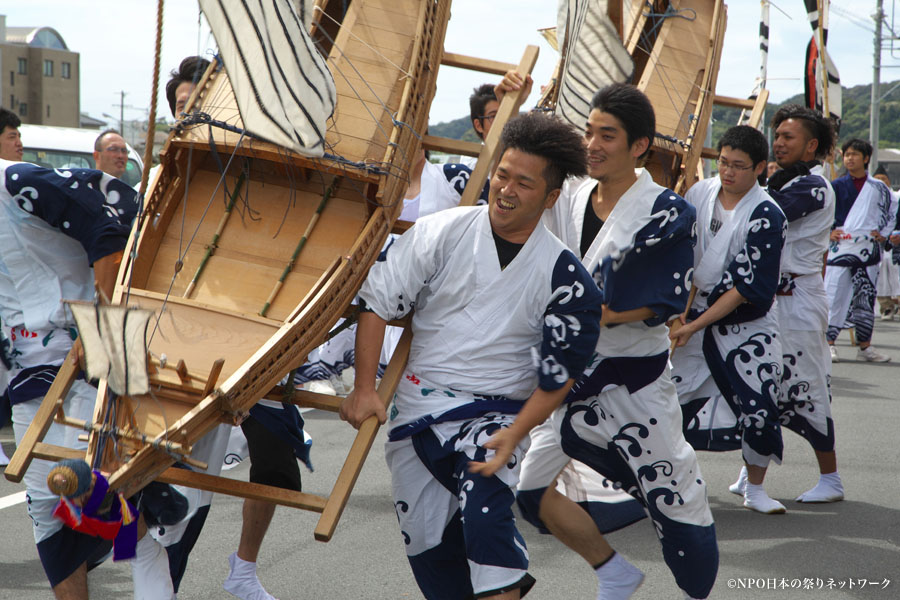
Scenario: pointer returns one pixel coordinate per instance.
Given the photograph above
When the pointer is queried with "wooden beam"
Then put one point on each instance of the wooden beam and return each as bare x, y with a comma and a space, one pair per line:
614, 11
710, 153
508, 107
759, 108
307, 399
733, 102
242, 489
450, 146
471, 63
55, 453
337, 500
35, 433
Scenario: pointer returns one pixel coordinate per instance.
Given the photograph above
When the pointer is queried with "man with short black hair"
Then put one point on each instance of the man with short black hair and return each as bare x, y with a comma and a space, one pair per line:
182, 82
862, 222
10, 138
727, 389
483, 106
111, 153
622, 419
491, 287
803, 138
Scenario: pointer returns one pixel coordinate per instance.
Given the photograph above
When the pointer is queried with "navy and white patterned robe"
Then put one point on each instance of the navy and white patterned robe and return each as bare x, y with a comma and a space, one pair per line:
729, 375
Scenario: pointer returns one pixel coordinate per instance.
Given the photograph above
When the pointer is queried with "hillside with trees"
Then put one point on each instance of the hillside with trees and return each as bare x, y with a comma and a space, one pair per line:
855, 123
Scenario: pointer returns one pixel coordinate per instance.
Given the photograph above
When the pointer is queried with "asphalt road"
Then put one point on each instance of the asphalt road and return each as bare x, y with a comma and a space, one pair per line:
849, 549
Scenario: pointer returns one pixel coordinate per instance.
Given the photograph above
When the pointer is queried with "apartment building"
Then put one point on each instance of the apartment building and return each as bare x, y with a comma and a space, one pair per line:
39, 76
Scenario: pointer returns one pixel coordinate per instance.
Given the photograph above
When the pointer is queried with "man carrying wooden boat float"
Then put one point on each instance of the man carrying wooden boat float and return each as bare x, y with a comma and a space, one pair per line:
493, 294
62, 232
622, 418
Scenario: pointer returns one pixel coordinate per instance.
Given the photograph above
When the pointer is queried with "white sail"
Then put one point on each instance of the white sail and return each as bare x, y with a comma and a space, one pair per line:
283, 88
594, 57
115, 345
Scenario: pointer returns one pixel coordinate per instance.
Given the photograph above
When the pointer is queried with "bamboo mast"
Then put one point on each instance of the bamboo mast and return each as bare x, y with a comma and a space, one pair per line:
215, 239
309, 229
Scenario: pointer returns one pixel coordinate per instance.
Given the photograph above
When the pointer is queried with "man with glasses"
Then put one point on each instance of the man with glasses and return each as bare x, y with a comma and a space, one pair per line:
111, 153
727, 386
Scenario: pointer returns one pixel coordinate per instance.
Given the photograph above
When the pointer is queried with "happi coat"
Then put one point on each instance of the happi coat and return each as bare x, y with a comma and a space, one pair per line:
728, 376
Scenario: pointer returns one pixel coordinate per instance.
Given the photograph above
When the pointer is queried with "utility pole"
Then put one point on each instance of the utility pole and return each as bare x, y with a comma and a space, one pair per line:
122, 110
875, 104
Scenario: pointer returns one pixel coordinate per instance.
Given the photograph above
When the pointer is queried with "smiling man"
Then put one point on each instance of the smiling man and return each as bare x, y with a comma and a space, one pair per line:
803, 138
495, 296
622, 418
729, 393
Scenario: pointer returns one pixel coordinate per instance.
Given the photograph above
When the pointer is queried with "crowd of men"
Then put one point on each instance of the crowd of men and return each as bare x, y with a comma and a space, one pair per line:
586, 315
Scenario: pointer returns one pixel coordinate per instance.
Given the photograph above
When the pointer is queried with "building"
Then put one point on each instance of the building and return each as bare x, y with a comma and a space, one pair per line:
39, 76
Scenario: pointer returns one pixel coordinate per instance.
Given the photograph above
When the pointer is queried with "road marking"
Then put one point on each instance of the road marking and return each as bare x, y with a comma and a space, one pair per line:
12, 500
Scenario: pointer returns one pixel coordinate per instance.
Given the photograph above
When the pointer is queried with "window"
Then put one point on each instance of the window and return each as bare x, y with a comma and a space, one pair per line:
48, 111
23, 109
66, 70
12, 78
12, 101
48, 68
23, 66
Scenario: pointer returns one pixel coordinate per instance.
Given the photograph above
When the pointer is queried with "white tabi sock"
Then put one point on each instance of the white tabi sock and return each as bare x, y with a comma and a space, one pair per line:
828, 489
617, 578
150, 571
4, 459
243, 582
756, 498
738, 486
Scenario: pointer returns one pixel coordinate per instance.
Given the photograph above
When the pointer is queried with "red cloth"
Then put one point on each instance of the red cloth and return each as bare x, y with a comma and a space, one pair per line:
859, 182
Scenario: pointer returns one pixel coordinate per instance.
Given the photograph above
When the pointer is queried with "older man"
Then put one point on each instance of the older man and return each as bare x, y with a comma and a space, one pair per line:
111, 153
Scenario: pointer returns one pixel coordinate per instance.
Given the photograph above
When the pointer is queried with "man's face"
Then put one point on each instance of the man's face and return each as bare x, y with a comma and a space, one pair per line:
855, 162
883, 179
519, 195
113, 155
10, 144
737, 172
182, 93
609, 153
771, 168
793, 144
483, 124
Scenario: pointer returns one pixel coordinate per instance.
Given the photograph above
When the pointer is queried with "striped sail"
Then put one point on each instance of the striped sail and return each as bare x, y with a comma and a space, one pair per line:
283, 88
816, 58
594, 57
760, 82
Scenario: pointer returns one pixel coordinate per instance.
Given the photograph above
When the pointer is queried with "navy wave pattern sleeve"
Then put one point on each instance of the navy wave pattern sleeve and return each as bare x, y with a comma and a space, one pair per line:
804, 196
84, 204
755, 271
458, 176
571, 324
663, 255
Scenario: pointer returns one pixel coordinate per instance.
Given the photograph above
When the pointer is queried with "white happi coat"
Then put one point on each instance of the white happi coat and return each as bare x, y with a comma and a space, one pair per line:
866, 215
889, 276
632, 212
802, 260
803, 319
436, 193
713, 256
476, 328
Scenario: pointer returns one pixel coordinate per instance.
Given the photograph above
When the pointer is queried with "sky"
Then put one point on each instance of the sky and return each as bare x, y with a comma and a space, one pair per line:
116, 38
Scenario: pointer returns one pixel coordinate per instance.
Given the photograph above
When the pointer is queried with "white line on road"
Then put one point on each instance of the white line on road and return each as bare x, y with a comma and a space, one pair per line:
12, 500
